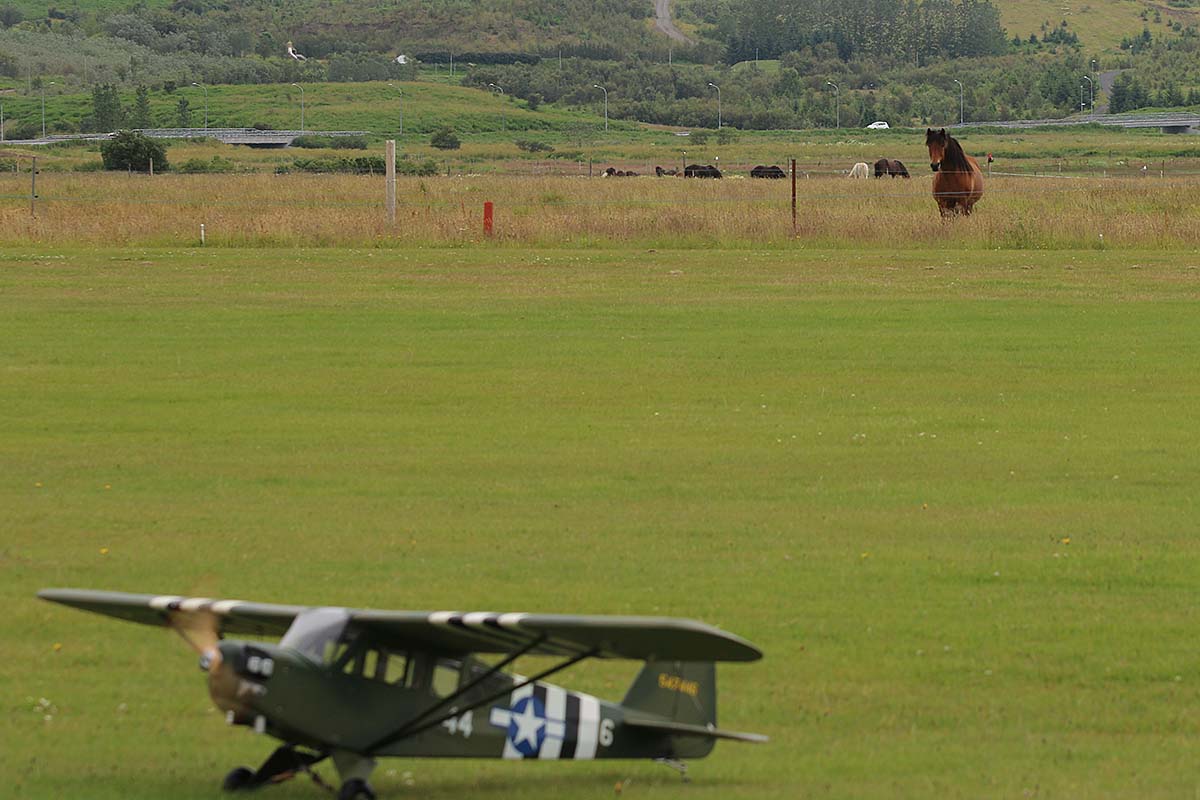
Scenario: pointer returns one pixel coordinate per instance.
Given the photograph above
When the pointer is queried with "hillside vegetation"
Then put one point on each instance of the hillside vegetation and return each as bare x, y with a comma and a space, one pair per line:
826, 64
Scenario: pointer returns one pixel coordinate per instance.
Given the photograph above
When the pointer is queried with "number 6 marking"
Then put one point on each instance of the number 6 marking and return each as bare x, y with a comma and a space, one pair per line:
606, 732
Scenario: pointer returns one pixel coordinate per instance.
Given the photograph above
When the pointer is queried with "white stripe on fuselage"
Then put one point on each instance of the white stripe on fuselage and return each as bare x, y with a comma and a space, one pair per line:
556, 729
589, 727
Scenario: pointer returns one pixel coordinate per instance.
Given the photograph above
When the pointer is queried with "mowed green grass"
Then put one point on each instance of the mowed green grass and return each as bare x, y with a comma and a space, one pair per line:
951, 495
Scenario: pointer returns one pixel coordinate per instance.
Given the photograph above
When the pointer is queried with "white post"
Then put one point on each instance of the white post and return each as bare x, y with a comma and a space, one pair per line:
202, 234
390, 162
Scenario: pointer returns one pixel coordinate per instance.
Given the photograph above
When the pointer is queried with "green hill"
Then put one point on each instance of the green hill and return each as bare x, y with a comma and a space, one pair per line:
1100, 24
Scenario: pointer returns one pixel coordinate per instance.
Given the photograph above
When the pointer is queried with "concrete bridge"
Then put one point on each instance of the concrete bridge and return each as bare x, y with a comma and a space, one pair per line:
1171, 122
251, 137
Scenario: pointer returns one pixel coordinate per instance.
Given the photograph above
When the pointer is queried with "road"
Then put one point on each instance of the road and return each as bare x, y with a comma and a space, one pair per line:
1106, 83
662, 21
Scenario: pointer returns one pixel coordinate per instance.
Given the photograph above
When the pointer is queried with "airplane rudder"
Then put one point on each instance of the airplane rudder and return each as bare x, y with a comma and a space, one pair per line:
682, 691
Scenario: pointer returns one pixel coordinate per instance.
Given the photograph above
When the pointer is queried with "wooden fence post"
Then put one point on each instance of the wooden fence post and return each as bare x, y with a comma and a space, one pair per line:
793, 197
390, 162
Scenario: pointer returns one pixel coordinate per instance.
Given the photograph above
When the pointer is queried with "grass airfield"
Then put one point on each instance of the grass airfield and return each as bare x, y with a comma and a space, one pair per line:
952, 495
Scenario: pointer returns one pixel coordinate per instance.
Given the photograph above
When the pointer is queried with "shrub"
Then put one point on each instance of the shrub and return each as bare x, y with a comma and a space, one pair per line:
132, 150
444, 139
198, 166
422, 168
359, 165
532, 146
309, 142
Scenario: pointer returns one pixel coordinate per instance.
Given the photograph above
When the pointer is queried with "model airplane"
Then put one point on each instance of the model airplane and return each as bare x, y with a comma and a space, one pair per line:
353, 685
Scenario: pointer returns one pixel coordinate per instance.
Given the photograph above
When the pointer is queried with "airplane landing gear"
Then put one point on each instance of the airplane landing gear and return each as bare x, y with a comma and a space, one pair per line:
281, 765
355, 789
677, 765
354, 771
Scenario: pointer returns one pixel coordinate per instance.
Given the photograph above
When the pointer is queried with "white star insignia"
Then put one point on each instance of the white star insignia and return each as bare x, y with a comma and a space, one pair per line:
528, 726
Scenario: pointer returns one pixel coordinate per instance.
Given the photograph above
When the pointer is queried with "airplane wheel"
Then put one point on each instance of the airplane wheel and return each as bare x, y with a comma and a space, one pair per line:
237, 780
355, 789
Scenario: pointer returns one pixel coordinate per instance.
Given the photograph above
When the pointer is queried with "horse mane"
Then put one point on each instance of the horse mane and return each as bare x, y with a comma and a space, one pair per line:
954, 157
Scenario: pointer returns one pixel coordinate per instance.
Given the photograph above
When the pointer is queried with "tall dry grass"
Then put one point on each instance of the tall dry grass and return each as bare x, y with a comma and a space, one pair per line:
314, 210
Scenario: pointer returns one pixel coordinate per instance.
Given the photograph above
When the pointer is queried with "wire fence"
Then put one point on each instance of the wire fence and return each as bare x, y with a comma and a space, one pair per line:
335, 210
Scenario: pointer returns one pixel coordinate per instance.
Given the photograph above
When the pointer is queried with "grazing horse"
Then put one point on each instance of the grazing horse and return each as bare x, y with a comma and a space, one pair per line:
957, 180
860, 170
771, 173
891, 167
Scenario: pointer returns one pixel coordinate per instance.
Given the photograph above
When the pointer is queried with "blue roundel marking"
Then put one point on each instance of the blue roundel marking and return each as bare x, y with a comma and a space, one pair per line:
527, 735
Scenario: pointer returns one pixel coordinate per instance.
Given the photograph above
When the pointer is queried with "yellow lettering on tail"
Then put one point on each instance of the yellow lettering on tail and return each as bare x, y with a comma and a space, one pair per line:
674, 683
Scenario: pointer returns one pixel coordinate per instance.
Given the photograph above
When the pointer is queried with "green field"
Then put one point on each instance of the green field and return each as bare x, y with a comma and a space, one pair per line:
951, 494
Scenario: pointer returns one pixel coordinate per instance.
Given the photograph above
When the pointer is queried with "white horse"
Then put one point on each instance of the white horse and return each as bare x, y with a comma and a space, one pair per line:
860, 170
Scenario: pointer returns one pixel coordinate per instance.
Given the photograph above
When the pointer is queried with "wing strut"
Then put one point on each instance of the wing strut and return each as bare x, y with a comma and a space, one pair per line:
412, 728
403, 730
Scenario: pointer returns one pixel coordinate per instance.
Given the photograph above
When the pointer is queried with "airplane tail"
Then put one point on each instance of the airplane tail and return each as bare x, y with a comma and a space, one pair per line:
681, 691
679, 699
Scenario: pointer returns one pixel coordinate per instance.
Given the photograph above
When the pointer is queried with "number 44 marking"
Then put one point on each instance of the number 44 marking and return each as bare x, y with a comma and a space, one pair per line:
457, 725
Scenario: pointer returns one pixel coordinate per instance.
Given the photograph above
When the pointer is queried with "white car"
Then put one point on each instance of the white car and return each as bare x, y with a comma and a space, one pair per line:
878, 126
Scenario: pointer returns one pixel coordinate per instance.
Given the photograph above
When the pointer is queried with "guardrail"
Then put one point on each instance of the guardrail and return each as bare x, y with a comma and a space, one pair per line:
1169, 122
250, 136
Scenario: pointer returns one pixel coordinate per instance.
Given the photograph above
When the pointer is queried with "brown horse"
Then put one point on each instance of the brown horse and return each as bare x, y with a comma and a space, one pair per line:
958, 181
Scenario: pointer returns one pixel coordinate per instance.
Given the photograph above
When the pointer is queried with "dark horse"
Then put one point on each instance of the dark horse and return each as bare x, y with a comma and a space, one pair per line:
894, 168
701, 171
772, 172
957, 180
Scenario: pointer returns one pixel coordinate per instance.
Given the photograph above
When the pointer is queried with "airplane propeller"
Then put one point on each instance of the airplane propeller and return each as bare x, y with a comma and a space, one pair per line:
201, 629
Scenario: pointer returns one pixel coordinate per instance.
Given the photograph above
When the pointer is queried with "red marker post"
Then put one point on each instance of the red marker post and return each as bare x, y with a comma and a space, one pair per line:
487, 217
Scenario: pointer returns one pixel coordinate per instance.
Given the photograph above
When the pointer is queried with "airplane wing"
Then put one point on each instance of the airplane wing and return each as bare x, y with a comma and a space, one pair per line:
259, 619
449, 632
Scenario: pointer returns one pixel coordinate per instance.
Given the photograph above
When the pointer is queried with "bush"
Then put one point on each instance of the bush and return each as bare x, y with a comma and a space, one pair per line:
23, 130
330, 142
132, 150
200, 166
422, 168
444, 139
358, 165
532, 146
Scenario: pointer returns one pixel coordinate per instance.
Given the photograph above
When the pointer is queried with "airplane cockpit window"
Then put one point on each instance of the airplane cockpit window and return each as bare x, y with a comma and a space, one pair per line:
313, 631
445, 677
395, 669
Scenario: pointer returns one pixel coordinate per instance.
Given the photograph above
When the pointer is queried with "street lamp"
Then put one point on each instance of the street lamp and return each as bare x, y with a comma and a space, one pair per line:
718, 88
401, 91
44, 85
205, 88
837, 104
1091, 91
503, 118
301, 88
1082, 103
601, 88
960, 101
